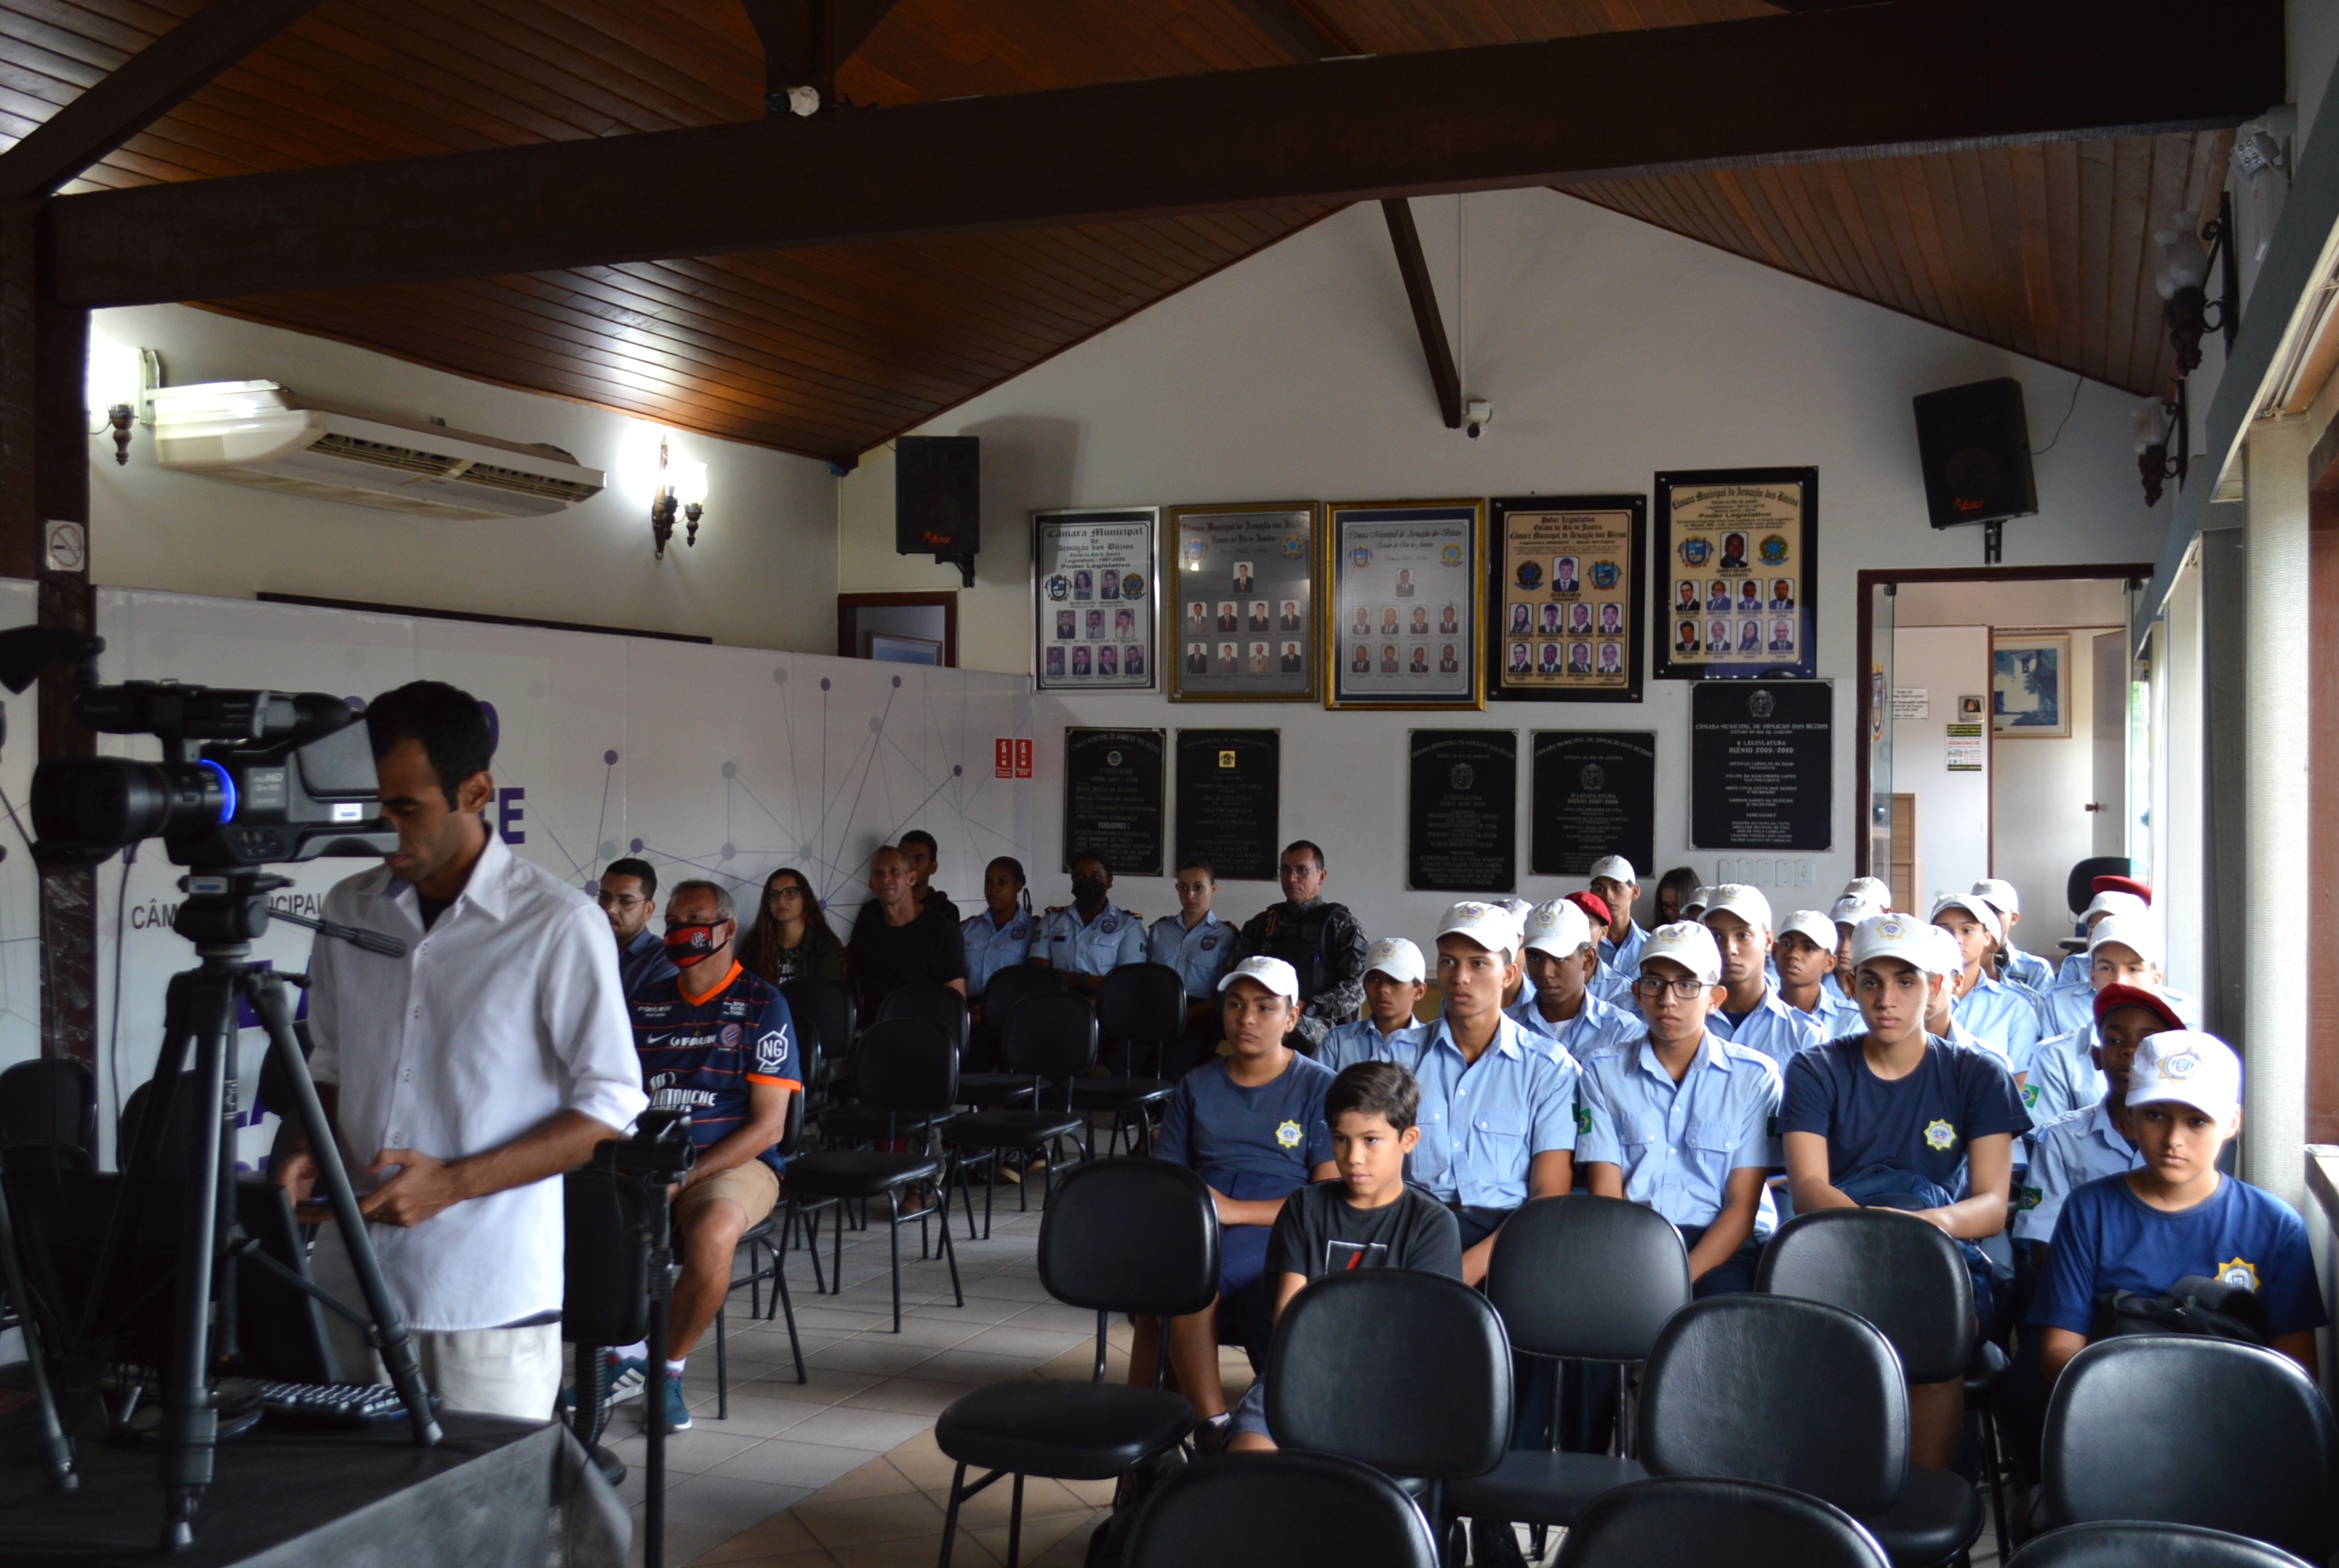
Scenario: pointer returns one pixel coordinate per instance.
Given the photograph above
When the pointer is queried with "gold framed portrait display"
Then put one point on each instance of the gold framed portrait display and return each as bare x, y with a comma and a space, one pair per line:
1563, 598
1238, 584
1735, 574
1403, 602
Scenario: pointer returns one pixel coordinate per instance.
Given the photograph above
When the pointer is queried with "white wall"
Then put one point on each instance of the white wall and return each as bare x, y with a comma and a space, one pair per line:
1610, 350
1945, 663
762, 574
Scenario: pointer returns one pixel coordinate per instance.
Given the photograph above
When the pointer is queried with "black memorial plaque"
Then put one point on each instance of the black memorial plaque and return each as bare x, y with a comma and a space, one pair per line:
1761, 765
1229, 795
1113, 798
1461, 814
1595, 793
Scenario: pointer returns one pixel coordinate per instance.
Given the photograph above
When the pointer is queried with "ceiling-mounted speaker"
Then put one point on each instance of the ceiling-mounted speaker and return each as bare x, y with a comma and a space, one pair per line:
1974, 443
937, 498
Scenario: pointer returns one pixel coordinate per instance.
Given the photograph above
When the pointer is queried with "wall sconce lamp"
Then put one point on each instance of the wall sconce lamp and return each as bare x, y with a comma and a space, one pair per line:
682, 488
2182, 282
120, 382
2157, 423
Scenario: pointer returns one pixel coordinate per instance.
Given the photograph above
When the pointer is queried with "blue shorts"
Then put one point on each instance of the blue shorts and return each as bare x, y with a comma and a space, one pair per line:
1242, 1257
1250, 1412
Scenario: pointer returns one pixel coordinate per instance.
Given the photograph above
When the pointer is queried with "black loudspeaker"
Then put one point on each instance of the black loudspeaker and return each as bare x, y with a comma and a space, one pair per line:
937, 508
1974, 443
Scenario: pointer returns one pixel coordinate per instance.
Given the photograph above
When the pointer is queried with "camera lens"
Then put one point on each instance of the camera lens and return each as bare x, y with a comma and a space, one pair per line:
107, 802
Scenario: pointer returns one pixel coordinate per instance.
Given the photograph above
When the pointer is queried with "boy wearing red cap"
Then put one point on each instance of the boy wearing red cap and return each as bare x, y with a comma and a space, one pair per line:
2090, 1144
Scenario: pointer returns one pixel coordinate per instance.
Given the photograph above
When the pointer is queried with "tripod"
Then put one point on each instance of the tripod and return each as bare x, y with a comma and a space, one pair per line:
223, 914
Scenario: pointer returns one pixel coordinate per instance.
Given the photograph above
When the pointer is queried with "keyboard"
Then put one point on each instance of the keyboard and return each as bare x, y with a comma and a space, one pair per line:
349, 1405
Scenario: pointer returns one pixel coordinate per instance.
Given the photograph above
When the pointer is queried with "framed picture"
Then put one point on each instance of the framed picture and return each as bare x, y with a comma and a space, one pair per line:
1093, 598
1239, 583
1403, 604
1564, 597
889, 649
1735, 576
2029, 686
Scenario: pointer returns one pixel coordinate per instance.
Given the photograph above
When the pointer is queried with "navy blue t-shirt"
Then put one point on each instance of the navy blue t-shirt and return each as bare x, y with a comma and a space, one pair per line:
1249, 1143
1919, 1123
701, 1056
2109, 1239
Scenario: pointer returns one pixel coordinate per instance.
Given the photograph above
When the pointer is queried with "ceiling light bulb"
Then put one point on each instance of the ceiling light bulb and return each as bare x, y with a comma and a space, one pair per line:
687, 480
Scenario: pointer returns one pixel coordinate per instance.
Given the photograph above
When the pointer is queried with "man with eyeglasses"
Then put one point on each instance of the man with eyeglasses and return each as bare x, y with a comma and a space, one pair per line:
1200, 947
628, 893
1752, 1012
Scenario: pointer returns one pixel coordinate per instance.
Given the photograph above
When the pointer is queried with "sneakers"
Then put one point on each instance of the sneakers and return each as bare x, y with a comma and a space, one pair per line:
677, 1414
623, 1375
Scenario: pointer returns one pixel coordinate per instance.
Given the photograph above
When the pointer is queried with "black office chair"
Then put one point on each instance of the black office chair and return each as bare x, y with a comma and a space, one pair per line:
990, 1088
858, 1121
605, 1290
908, 1069
2161, 1545
1577, 1278
1050, 1037
1124, 1236
768, 1238
1905, 1277
827, 1008
1410, 1373
1277, 1511
1143, 1004
1801, 1394
49, 1103
1695, 1520
181, 1139
2079, 890
2256, 1458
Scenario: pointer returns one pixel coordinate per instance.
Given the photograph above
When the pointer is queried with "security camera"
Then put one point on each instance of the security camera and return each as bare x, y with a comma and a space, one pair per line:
1477, 417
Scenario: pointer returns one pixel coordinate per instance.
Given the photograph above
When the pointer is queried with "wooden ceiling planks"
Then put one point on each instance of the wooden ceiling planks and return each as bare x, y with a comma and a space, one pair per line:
2045, 248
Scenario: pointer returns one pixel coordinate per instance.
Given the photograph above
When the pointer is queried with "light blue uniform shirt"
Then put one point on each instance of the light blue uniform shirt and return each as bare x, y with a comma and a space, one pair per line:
1484, 1122
2068, 1153
1362, 1041
1114, 938
1677, 1143
1596, 1026
1614, 987
2029, 971
2065, 1007
1834, 1015
992, 947
1624, 955
1773, 1028
1199, 953
2075, 969
2000, 1016
2064, 1078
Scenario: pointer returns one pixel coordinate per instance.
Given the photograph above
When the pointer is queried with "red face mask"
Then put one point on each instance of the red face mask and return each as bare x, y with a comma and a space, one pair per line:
692, 945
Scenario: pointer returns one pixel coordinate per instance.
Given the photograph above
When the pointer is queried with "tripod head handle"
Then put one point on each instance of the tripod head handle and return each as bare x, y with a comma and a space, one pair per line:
371, 941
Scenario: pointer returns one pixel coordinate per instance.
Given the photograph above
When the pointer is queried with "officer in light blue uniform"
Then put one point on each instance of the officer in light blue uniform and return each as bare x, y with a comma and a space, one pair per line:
1563, 1013
2107, 901
2097, 1139
2026, 970
1395, 982
1094, 937
1803, 951
1616, 884
1995, 1013
1846, 912
998, 936
2124, 950
1194, 941
1753, 1015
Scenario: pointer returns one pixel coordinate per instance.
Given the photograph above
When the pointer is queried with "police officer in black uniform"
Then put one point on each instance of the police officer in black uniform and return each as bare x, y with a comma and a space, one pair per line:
1321, 941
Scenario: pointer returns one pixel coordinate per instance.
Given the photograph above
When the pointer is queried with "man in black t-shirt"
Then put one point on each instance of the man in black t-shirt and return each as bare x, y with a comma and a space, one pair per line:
893, 943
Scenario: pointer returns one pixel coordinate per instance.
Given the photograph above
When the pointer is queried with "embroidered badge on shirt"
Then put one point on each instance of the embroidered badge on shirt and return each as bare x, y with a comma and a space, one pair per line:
1289, 1135
2029, 1097
2241, 1273
2032, 1197
1940, 1135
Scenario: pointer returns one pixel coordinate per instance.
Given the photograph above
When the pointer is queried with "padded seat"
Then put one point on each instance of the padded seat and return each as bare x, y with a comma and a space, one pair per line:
1071, 1431
1936, 1515
857, 1172
1985, 1372
990, 1090
1008, 1129
1542, 1486
860, 1123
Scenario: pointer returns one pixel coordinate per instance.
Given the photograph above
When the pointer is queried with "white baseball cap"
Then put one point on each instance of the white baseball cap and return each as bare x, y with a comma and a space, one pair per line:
1999, 894
1688, 944
1271, 972
2138, 933
1740, 899
1973, 905
1812, 924
2189, 1068
1490, 925
1697, 899
1396, 958
1616, 869
1852, 909
1559, 928
1902, 936
1875, 890
1952, 952
2114, 902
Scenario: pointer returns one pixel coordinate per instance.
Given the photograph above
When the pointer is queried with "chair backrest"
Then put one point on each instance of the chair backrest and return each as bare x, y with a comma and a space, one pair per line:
1696, 1519
606, 1269
53, 1100
1900, 1274
181, 1142
933, 1003
1277, 1510
1010, 985
1052, 1036
790, 1134
906, 1064
827, 1006
1770, 1389
1408, 1372
2162, 1545
1143, 1002
1135, 1235
2080, 887
1591, 1278
2251, 1451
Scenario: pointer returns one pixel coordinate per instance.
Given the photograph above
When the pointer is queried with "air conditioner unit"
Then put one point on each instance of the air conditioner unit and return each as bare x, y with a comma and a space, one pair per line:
259, 433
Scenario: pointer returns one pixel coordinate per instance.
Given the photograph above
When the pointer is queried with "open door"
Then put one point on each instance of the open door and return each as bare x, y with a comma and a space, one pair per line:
2108, 798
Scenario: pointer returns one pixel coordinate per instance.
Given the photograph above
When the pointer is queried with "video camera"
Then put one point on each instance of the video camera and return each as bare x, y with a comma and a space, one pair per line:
660, 1150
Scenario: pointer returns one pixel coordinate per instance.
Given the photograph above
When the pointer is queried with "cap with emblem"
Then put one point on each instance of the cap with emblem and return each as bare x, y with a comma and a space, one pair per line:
1616, 869
2113, 998
1872, 889
2113, 902
2135, 932
1973, 905
1396, 958
1594, 907
1688, 944
1852, 909
1740, 899
1559, 928
2127, 884
1519, 907
1912, 940
1696, 902
1489, 925
1810, 923
1271, 972
2186, 1066
1999, 894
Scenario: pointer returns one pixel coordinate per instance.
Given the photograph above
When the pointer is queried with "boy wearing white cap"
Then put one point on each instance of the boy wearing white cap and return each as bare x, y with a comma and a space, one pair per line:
2026, 970
2176, 1217
1521, 988
1394, 981
2107, 901
2098, 1140
1847, 913
1895, 1116
1680, 1119
2122, 950
1561, 960
1804, 951
1751, 1014
1616, 884
1994, 1012
1870, 890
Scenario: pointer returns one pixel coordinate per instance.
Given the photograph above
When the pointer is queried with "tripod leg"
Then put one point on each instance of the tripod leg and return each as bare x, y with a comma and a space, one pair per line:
392, 1342
190, 1420
56, 1451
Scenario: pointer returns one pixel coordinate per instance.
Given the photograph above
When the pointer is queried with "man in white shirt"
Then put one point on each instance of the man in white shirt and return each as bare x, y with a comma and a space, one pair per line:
466, 1075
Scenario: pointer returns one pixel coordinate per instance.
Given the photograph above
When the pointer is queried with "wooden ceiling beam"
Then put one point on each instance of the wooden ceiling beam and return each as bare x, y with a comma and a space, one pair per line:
1870, 81
141, 91
1296, 30
807, 42
1427, 319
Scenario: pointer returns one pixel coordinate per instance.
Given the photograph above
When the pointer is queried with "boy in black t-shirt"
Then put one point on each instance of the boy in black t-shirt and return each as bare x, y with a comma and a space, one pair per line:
1366, 1218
